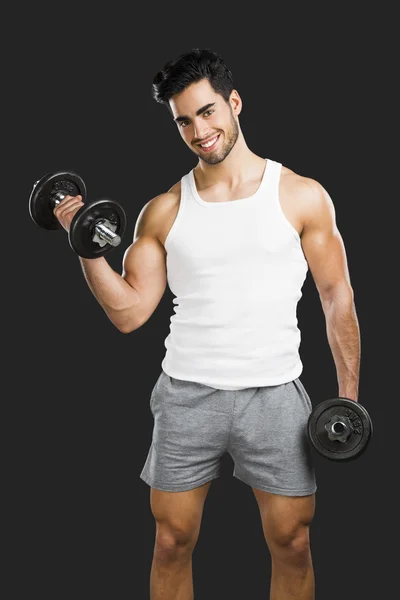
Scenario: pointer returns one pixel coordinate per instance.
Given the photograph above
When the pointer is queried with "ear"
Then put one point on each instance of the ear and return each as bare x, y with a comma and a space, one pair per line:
235, 102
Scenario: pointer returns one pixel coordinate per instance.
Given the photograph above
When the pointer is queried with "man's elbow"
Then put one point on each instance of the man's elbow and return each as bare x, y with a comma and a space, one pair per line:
129, 327
122, 330
341, 293
126, 323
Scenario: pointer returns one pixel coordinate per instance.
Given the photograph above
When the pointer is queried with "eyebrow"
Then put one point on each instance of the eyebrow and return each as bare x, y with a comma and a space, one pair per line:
198, 112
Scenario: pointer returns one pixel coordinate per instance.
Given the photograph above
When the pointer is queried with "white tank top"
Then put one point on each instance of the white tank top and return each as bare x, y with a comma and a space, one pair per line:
236, 269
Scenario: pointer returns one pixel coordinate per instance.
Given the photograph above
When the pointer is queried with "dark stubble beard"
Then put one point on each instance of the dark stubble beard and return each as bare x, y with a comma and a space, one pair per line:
216, 157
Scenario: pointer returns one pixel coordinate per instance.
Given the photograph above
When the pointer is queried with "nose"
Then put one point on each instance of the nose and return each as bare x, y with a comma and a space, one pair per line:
200, 130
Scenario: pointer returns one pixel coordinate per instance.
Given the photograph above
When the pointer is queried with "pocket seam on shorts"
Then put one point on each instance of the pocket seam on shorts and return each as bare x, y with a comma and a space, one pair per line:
153, 393
307, 397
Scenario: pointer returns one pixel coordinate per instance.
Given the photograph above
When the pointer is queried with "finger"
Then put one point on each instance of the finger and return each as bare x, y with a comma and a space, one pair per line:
66, 202
67, 199
71, 208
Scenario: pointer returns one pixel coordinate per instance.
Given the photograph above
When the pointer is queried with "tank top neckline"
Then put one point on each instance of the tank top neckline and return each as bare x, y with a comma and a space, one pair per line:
195, 194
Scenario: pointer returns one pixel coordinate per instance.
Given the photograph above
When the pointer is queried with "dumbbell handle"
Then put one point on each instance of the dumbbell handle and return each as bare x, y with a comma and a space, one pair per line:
102, 231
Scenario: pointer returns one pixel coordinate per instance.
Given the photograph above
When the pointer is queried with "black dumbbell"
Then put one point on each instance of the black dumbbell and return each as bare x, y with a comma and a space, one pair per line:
95, 229
339, 429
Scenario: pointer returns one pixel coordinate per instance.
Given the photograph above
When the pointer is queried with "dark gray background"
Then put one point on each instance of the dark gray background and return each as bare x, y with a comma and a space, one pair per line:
316, 90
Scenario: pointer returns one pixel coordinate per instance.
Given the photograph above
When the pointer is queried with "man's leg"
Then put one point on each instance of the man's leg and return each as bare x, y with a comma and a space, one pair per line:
178, 518
285, 522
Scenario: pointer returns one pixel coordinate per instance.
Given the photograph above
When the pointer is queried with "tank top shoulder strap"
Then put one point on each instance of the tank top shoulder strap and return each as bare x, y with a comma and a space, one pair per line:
185, 189
273, 174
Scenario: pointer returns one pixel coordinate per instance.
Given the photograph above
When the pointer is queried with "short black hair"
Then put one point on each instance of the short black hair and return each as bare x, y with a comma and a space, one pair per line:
188, 68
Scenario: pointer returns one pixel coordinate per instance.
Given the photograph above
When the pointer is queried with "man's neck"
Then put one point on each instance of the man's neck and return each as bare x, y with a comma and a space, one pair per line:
236, 167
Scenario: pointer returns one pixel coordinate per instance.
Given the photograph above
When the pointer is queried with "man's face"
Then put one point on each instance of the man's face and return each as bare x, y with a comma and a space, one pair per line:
203, 117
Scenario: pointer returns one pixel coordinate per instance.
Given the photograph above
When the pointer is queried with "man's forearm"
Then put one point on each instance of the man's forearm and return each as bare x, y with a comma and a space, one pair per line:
114, 294
344, 339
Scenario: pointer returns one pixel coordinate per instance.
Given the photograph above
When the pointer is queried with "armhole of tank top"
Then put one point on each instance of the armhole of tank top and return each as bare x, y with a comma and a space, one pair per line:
174, 226
280, 209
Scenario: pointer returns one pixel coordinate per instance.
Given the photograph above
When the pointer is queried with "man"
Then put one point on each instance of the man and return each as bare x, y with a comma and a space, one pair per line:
235, 237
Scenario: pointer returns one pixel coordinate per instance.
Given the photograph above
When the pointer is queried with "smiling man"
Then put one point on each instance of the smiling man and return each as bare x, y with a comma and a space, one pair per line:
213, 153
234, 239
238, 234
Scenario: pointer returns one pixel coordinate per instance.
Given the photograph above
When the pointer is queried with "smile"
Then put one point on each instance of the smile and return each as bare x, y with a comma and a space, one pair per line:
207, 146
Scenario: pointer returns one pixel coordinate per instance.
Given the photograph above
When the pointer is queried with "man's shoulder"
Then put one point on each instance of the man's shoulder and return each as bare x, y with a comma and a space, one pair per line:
303, 190
162, 202
156, 211
299, 184
306, 197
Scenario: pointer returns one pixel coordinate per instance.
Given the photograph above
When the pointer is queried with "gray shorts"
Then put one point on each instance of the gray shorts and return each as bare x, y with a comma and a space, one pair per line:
262, 428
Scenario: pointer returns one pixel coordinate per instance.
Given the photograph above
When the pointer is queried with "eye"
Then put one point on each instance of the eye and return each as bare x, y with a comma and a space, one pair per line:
208, 112
183, 123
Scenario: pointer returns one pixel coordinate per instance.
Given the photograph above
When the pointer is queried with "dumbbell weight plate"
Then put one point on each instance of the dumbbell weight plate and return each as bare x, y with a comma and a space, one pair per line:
40, 205
349, 412
82, 228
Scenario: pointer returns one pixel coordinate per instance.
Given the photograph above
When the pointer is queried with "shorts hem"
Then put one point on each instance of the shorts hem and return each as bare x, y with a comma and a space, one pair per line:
280, 491
166, 487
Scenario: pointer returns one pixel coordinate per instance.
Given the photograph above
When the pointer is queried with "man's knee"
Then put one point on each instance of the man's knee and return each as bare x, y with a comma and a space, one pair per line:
291, 545
178, 517
173, 542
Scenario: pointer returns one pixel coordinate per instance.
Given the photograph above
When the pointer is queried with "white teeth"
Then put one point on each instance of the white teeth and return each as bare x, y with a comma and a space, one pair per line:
208, 144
